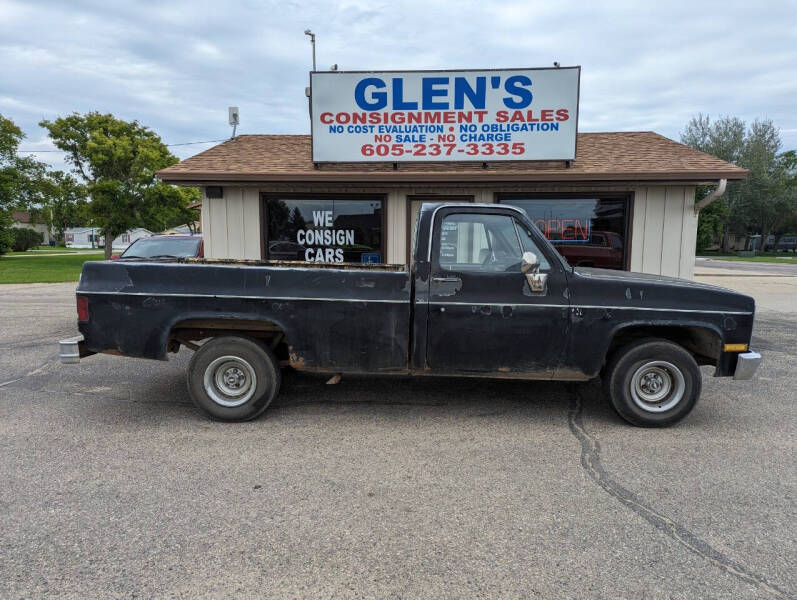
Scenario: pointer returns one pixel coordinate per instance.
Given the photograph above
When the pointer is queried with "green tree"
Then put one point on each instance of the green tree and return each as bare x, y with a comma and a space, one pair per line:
711, 222
748, 206
22, 180
25, 239
784, 200
176, 212
117, 160
761, 203
68, 205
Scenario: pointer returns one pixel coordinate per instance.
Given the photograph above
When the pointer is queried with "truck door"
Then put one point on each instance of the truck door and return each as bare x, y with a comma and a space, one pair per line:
483, 316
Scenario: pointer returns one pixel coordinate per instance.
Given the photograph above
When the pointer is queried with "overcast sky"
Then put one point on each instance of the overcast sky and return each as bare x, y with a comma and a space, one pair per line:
176, 65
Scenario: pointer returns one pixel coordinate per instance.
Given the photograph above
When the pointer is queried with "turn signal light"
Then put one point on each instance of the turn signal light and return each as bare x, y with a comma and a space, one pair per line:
734, 348
82, 308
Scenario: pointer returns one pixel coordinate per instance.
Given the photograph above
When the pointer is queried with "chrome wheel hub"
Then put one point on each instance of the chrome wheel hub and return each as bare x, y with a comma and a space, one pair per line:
230, 381
657, 386
234, 378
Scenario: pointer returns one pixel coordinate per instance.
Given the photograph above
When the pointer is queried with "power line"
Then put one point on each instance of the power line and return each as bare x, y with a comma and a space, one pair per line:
205, 142
168, 145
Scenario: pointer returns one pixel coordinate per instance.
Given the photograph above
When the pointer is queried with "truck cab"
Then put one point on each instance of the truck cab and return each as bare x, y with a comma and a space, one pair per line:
473, 302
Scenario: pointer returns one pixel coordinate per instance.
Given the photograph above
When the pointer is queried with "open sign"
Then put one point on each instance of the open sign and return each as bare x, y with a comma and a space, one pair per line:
565, 230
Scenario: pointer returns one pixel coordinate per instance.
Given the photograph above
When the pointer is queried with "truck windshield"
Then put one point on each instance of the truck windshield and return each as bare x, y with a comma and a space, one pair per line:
181, 247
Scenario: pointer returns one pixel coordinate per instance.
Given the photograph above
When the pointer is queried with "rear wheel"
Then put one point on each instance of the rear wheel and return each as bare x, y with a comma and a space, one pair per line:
652, 383
233, 378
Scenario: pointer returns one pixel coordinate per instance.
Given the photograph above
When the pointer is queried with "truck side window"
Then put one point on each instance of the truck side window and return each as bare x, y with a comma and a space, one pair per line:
530, 246
474, 242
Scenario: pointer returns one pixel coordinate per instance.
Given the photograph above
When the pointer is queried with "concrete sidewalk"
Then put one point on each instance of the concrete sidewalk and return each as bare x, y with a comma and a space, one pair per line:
712, 266
771, 292
701, 272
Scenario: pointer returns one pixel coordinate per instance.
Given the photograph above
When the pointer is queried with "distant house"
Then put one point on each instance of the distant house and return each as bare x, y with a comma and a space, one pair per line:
22, 220
123, 241
83, 237
186, 229
91, 237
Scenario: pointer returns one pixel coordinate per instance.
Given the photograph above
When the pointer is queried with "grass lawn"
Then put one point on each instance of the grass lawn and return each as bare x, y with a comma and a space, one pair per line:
51, 250
43, 269
718, 254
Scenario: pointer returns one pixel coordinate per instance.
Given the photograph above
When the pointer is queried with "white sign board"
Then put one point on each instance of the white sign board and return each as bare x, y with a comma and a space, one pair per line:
392, 116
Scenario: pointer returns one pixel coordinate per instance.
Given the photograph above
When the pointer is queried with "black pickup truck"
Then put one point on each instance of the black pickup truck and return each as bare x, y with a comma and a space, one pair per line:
486, 296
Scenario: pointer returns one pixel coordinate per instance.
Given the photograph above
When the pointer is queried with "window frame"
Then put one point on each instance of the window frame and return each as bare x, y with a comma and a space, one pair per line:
361, 197
555, 262
545, 264
627, 197
439, 198
487, 234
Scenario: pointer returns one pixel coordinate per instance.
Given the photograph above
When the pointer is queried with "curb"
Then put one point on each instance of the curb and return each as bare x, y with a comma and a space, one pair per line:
742, 275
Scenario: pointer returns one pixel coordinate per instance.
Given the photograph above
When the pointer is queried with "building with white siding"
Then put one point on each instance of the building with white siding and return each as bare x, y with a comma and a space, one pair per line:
626, 202
83, 237
91, 237
121, 242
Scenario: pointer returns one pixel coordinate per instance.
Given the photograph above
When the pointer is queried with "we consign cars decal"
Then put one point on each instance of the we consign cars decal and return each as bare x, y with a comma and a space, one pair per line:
391, 116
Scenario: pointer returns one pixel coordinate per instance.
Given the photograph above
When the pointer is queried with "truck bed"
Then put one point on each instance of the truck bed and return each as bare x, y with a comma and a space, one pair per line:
350, 318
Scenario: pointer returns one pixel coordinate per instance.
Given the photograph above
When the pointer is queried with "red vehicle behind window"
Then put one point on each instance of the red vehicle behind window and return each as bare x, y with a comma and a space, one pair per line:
603, 250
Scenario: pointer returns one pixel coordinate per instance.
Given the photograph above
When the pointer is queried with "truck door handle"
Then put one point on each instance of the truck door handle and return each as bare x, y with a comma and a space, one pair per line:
446, 279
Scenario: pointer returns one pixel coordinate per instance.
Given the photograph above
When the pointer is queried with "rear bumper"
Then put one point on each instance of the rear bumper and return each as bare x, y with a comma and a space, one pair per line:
71, 350
746, 365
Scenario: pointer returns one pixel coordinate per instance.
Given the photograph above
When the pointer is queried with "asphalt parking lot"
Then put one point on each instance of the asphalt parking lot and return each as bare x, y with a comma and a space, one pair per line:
113, 485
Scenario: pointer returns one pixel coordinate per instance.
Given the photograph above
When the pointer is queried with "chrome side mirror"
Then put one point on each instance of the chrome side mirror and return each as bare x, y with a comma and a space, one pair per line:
530, 267
529, 263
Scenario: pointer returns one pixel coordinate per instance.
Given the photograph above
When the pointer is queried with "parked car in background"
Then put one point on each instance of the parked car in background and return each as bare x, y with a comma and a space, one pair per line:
164, 246
787, 243
604, 250
285, 250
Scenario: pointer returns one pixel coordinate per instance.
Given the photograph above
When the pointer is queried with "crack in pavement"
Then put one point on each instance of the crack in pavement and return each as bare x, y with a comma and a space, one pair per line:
39, 370
591, 463
51, 338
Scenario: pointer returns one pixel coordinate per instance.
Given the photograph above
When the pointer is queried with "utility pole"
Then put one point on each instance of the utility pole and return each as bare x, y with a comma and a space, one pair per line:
312, 42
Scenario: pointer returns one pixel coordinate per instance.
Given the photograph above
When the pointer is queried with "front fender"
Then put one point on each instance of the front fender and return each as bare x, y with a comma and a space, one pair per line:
594, 336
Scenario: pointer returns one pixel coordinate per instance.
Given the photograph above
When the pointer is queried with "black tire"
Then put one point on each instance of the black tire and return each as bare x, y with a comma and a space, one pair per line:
638, 375
221, 374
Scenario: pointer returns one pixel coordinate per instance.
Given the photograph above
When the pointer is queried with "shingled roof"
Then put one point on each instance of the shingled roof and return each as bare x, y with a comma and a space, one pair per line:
626, 156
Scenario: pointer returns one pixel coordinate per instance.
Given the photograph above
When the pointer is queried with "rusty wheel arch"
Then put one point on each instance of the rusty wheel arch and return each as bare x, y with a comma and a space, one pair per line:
189, 331
702, 342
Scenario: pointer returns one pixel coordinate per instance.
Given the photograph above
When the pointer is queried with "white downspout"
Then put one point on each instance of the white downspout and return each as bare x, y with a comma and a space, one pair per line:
712, 196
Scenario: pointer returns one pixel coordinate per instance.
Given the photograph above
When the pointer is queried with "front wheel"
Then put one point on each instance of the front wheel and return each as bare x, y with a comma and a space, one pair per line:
233, 378
652, 383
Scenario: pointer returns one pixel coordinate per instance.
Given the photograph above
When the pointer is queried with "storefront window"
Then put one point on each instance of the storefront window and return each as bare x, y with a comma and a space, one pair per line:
587, 231
320, 229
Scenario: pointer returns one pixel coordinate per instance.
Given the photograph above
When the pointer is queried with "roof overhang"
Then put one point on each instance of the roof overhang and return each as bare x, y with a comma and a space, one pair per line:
394, 177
